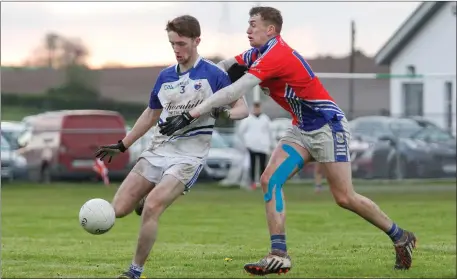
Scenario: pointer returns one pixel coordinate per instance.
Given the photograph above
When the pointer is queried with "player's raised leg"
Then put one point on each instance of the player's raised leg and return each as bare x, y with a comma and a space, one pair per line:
333, 152
286, 160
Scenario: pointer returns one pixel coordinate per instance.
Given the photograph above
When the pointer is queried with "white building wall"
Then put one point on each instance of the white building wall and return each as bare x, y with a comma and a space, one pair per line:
432, 50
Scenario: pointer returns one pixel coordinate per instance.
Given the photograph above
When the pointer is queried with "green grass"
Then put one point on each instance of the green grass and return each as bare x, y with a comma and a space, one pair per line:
41, 236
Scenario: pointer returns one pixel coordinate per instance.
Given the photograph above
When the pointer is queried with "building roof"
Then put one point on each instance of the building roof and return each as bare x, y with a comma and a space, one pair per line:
407, 31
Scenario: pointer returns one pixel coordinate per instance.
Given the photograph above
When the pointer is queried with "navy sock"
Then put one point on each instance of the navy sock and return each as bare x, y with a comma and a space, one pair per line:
136, 269
395, 233
278, 242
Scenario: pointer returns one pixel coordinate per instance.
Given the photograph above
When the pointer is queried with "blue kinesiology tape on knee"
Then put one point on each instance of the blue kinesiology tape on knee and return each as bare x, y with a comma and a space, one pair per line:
281, 174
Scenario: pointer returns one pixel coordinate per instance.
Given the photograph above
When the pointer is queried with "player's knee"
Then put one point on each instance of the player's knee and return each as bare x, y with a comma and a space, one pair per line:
153, 208
344, 199
120, 208
264, 180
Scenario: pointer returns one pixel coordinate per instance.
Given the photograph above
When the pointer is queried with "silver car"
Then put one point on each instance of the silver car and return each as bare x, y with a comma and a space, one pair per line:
220, 159
12, 130
13, 165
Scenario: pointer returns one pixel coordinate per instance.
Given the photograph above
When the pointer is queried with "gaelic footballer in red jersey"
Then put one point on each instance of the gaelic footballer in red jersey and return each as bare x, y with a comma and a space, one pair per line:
290, 81
320, 132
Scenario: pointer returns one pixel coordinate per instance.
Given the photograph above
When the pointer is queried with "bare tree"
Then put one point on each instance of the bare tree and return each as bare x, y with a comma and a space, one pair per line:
69, 54
58, 51
52, 40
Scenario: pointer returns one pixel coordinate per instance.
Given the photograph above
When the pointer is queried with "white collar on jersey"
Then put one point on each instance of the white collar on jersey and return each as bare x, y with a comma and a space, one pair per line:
199, 58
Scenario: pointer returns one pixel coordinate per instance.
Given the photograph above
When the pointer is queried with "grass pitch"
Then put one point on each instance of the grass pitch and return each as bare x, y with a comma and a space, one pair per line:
41, 235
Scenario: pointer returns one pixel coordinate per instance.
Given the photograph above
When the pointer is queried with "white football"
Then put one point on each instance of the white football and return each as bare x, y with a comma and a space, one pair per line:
97, 216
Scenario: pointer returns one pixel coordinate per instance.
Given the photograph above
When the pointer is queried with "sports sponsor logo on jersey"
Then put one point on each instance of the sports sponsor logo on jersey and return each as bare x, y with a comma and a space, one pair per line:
174, 108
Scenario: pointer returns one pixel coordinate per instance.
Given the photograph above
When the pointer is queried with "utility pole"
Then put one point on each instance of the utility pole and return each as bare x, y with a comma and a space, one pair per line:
351, 70
224, 28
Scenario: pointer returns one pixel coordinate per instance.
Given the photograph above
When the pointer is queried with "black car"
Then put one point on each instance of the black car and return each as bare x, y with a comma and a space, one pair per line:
403, 148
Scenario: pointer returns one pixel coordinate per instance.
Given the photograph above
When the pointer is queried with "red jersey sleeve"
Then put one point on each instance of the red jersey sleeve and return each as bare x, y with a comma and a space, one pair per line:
269, 64
247, 58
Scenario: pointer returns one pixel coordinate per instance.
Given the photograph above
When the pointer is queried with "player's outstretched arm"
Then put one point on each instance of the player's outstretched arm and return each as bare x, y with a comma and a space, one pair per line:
237, 111
144, 123
226, 95
227, 63
147, 119
222, 97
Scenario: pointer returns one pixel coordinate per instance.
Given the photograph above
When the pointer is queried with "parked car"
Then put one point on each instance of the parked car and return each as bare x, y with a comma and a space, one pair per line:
61, 144
359, 149
279, 127
443, 146
11, 130
13, 165
220, 159
402, 148
229, 135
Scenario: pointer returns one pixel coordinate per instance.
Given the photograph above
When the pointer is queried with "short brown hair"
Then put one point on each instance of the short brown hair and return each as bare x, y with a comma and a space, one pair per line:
268, 14
185, 26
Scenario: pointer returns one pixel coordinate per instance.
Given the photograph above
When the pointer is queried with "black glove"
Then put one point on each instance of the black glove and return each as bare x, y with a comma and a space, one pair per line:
110, 150
175, 123
236, 71
220, 112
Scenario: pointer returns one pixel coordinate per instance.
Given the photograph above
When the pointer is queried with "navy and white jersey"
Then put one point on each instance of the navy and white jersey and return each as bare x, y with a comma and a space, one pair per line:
176, 93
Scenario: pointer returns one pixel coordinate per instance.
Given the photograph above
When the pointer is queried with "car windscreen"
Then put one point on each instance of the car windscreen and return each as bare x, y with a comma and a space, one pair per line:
404, 128
433, 134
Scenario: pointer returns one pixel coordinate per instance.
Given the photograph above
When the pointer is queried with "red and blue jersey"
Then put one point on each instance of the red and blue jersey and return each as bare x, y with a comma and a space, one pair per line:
290, 81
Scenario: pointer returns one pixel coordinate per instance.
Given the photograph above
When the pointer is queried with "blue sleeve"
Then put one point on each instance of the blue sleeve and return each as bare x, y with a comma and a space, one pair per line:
154, 102
223, 80
248, 57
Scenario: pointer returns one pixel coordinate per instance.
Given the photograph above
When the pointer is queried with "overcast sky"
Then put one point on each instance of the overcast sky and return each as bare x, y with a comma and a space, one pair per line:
133, 33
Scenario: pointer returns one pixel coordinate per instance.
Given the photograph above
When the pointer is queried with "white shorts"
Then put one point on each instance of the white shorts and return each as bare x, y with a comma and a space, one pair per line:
330, 143
153, 167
